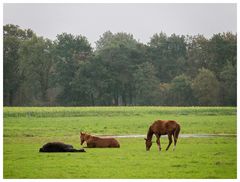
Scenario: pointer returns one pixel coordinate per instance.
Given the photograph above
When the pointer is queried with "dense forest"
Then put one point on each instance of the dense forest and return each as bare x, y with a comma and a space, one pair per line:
175, 70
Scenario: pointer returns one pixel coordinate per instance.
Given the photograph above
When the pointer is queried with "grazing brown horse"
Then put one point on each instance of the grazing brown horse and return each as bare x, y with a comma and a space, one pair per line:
97, 142
160, 127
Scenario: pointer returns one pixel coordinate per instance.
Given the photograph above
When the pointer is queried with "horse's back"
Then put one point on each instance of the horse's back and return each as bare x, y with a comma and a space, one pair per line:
109, 142
103, 143
164, 126
172, 123
166, 122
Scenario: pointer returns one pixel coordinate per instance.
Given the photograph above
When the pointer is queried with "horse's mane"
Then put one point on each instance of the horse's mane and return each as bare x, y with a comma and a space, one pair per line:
150, 133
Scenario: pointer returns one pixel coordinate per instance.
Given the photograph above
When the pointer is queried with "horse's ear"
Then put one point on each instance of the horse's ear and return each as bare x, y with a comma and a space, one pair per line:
145, 139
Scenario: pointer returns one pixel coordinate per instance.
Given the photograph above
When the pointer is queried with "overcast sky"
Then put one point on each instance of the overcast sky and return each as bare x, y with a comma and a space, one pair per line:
141, 20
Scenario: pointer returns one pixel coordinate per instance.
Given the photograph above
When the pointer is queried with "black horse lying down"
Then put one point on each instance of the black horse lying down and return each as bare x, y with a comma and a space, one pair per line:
59, 147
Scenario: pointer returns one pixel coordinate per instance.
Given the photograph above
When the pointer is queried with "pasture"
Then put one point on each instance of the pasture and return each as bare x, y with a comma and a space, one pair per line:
26, 129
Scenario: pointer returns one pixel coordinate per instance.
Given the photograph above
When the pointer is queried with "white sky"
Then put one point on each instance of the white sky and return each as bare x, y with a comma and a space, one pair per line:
141, 20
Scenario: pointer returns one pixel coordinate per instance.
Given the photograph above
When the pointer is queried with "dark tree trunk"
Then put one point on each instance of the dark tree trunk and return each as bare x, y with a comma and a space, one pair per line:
10, 98
92, 99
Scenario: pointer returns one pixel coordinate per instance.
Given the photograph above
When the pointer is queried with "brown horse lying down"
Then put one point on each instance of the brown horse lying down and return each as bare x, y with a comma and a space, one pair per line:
160, 127
59, 147
97, 142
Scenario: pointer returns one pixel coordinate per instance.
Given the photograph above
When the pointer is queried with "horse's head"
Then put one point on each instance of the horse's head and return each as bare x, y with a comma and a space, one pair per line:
148, 144
82, 137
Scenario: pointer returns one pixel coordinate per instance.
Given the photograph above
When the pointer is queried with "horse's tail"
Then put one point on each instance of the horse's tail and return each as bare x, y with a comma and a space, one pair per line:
177, 131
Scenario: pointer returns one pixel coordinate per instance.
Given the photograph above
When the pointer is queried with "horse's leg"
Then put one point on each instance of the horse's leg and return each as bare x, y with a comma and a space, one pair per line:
158, 141
170, 141
175, 142
91, 145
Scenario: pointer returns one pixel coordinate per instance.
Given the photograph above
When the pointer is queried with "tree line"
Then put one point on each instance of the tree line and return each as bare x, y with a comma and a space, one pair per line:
175, 70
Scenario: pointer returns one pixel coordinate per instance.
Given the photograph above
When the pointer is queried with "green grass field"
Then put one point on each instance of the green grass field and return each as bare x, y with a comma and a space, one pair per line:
26, 129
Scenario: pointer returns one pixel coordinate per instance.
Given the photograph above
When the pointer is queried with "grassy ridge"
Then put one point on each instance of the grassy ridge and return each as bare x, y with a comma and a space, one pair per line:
113, 111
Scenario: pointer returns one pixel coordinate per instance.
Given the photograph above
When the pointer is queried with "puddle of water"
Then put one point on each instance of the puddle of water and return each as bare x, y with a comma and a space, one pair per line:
180, 136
